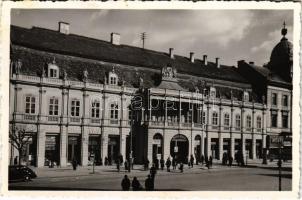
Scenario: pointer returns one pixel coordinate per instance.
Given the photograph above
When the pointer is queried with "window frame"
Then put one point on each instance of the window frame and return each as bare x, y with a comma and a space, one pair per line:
95, 109
114, 111
259, 122
215, 118
285, 97
226, 119
237, 121
53, 107
31, 105
248, 121
274, 99
77, 108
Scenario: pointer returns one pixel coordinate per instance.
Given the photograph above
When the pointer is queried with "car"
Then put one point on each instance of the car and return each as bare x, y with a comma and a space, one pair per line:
20, 172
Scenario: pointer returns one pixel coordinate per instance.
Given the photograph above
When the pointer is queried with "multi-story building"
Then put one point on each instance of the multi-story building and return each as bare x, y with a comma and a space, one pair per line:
77, 97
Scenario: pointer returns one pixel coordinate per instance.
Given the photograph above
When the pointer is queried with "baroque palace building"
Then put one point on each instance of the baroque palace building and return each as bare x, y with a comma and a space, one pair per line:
79, 97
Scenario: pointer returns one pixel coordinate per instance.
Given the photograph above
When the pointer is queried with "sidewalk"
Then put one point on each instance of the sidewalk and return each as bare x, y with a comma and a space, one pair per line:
111, 171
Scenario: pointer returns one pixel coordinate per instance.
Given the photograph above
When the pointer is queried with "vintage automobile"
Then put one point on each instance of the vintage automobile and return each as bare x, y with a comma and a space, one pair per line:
20, 172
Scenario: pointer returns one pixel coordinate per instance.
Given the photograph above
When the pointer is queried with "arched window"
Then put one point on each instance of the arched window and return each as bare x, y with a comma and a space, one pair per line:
53, 70
113, 111
248, 121
113, 78
215, 119
227, 119
237, 121
259, 122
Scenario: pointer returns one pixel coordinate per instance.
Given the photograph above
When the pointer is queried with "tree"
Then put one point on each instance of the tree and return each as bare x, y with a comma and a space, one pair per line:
19, 138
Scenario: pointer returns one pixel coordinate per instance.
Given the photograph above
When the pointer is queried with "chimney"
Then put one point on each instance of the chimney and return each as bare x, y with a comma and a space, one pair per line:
192, 57
251, 63
115, 38
64, 27
205, 61
171, 54
217, 63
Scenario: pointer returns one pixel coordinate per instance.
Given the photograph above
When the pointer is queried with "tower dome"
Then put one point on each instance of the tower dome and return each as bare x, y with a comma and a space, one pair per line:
281, 60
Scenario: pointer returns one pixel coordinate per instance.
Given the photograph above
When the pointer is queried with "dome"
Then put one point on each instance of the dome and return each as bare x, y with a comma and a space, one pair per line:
281, 60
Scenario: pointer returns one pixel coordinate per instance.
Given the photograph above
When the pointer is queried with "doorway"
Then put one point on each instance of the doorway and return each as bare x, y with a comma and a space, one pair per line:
113, 148
74, 148
179, 148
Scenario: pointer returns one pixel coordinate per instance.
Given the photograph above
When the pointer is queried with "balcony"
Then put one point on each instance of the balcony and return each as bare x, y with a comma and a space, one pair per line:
95, 121
28, 117
53, 118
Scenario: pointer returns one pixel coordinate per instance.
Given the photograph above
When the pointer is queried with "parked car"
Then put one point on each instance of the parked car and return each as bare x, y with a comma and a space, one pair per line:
20, 172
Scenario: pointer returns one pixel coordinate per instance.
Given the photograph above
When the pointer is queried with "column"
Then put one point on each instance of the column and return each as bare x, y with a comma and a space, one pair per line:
104, 145
220, 138
166, 147
208, 146
84, 131
220, 143
123, 144
232, 145
40, 147
202, 143
63, 145
149, 143
253, 146
243, 147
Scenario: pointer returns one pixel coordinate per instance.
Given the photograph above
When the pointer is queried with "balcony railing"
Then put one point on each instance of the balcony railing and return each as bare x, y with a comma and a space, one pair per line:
197, 125
173, 123
30, 117
53, 118
75, 119
215, 127
157, 123
237, 129
248, 129
113, 121
95, 121
258, 130
186, 124
226, 128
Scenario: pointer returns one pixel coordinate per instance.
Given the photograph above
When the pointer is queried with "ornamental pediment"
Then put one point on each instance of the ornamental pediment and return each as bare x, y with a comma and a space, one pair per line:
169, 73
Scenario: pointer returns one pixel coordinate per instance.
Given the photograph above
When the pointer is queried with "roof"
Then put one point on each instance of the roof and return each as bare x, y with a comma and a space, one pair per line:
99, 50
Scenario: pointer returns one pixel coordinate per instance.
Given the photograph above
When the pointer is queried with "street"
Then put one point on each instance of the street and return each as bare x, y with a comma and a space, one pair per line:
220, 178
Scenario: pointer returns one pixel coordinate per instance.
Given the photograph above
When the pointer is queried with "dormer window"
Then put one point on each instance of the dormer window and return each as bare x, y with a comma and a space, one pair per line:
212, 92
113, 78
246, 96
53, 70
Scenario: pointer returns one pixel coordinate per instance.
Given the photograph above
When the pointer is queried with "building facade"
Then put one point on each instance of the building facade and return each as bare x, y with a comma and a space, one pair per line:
87, 99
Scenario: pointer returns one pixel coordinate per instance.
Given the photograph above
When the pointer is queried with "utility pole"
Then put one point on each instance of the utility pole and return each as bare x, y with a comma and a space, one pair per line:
143, 38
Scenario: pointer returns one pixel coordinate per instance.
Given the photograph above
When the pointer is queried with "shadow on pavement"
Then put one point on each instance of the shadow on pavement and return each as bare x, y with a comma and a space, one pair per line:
289, 176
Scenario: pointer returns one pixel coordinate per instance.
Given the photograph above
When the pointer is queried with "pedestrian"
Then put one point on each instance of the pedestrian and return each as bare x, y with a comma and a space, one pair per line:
147, 163
192, 160
168, 164
156, 163
173, 163
74, 163
153, 171
149, 184
126, 165
237, 158
136, 185
230, 161
118, 165
202, 159
181, 167
125, 183
162, 163
121, 159
210, 161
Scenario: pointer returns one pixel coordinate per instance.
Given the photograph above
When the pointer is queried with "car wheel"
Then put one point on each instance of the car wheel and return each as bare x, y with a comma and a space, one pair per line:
26, 178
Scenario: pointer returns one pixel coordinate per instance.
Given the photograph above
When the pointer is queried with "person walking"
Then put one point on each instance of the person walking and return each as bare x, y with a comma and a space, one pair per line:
125, 183
210, 161
181, 167
230, 161
149, 184
168, 164
162, 163
147, 163
74, 163
174, 163
202, 159
136, 186
191, 160
156, 163
153, 171
126, 165
118, 165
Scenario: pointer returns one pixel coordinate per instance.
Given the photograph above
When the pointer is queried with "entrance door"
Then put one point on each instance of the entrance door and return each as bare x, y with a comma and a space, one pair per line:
197, 148
179, 148
258, 149
30, 150
94, 150
74, 148
215, 148
248, 148
52, 150
113, 148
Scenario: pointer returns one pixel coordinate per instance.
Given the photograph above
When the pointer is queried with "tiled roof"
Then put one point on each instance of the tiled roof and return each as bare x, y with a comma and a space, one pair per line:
269, 74
98, 50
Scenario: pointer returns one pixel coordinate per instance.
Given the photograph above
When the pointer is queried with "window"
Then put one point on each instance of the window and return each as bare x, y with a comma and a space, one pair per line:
238, 121
215, 118
53, 73
113, 80
212, 92
285, 100
113, 111
203, 117
30, 105
53, 106
248, 121
75, 108
259, 123
226, 119
95, 109
246, 96
285, 120
274, 99
274, 118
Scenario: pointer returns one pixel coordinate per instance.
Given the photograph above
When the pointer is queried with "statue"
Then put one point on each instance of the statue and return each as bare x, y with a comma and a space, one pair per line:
64, 75
18, 66
141, 81
85, 75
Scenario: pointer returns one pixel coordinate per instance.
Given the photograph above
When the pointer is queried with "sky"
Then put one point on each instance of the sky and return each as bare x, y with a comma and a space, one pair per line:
231, 35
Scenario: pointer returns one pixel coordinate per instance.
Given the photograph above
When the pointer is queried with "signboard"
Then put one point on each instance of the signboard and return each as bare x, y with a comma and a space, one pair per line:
275, 141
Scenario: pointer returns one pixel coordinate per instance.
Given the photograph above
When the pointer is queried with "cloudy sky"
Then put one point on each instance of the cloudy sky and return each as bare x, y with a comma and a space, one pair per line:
231, 35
